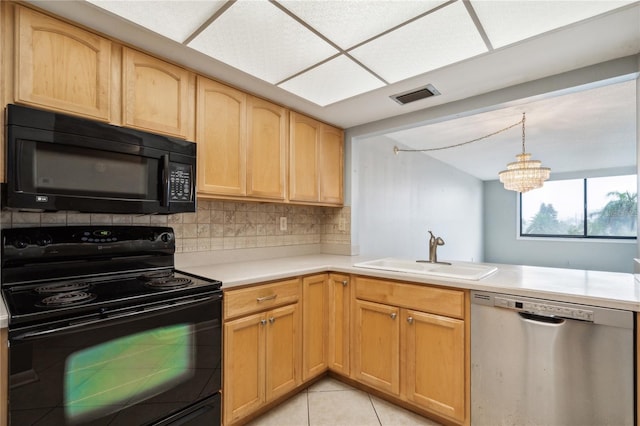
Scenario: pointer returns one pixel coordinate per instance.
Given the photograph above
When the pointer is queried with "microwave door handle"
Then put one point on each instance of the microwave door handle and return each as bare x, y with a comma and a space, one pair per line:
164, 201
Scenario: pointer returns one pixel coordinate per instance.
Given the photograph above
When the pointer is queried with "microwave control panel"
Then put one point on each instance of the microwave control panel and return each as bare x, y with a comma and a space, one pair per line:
180, 182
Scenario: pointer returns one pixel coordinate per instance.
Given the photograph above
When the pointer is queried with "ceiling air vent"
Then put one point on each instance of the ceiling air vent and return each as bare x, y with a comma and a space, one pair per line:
415, 94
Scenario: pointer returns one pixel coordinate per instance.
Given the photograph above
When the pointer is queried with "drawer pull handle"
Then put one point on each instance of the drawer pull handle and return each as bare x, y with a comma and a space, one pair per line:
265, 298
393, 315
344, 283
410, 320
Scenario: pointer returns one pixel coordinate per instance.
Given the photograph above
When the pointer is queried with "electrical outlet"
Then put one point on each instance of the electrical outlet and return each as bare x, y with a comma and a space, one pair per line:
283, 223
342, 224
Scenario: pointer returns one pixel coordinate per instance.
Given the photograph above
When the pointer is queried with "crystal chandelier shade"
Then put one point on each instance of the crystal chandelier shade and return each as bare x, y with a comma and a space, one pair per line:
524, 174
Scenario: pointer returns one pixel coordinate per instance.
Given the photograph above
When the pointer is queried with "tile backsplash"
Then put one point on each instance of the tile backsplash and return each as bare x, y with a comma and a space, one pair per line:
219, 225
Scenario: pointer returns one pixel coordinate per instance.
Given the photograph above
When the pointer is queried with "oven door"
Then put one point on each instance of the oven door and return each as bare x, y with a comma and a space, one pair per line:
143, 366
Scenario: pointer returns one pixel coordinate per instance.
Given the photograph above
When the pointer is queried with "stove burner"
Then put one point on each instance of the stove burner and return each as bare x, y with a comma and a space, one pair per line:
63, 287
67, 299
168, 283
155, 275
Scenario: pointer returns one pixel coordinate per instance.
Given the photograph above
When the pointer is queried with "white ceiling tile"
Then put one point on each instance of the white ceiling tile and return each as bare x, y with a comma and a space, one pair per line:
260, 39
508, 22
441, 38
174, 19
333, 81
347, 23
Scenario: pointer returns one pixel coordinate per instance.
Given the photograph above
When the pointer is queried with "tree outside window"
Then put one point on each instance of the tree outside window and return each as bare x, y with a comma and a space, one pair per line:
582, 208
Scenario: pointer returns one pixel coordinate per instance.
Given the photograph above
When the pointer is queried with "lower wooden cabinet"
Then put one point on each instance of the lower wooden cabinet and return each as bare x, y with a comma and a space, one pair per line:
314, 325
418, 356
377, 346
339, 323
435, 362
408, 341
262, 350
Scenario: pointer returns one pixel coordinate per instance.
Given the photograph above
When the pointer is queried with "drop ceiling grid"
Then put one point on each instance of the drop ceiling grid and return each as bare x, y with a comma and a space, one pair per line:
328, 51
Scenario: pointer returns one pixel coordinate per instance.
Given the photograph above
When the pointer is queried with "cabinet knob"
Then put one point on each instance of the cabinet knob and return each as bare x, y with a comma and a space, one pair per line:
344, 283
263, 322
410, 320
272, 320
393, 315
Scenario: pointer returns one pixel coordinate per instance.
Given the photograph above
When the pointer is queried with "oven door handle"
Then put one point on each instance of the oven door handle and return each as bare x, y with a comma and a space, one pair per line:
111, 317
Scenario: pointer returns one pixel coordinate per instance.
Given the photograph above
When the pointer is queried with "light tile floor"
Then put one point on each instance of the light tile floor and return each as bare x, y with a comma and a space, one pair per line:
333, 403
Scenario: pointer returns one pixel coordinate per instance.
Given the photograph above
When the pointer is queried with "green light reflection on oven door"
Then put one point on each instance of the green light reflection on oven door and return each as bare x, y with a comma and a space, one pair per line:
105, 378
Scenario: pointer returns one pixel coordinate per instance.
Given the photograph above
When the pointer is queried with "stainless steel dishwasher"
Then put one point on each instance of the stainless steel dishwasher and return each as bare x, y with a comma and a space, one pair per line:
540, 362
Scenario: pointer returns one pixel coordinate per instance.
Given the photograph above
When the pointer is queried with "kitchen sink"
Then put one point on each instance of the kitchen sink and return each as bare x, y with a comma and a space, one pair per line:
461, 270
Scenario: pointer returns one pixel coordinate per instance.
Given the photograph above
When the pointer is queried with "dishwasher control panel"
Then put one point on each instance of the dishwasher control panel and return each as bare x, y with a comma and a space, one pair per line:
545, 309
552, 308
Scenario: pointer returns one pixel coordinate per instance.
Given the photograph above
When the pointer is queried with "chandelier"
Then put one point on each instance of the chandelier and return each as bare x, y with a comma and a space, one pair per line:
524, 174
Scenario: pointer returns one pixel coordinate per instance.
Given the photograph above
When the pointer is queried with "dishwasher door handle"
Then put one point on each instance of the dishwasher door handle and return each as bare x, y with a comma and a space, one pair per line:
541, 318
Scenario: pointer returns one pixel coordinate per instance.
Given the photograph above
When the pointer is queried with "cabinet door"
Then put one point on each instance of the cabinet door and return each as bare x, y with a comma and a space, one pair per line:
157, 95
267, 125
331, 165
221, 134
244, 366
435, 368
61, 67
314, 325
339, 301
304, 141
377, 346
283, 351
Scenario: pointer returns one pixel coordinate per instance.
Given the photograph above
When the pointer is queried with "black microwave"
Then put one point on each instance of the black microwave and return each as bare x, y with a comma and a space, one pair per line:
60, 162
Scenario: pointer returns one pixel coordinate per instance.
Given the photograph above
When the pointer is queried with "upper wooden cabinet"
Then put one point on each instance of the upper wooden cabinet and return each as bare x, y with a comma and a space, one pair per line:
61, 67
315, 161
221, 133
157, 96
268, 136
242, 144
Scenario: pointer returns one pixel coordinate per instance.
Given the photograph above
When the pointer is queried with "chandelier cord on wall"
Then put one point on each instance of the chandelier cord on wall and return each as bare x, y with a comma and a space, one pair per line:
396, 150
522, 175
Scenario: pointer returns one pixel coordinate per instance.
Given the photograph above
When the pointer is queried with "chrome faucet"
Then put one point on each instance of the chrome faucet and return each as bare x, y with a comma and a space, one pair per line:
434, 242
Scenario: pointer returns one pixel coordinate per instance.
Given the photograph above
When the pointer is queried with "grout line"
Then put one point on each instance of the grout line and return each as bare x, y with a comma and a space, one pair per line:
308, 408
374, 409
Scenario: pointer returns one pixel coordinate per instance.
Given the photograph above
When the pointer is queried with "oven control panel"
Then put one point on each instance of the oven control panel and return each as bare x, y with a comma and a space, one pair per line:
55, 242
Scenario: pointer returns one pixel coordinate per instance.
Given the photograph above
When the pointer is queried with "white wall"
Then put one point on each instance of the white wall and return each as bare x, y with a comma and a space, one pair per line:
400, 197
503, 246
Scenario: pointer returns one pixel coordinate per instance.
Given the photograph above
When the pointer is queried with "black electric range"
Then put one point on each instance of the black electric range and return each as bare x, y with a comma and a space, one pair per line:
104, 330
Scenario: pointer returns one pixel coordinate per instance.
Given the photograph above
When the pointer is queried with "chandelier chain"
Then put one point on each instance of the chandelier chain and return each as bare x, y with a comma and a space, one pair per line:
396, 149
523, 118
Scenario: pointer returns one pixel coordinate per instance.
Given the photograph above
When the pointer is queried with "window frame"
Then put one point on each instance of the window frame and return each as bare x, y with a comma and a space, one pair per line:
585, 235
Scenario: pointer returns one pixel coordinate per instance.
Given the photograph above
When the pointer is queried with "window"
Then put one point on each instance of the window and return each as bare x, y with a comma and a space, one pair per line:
603, 207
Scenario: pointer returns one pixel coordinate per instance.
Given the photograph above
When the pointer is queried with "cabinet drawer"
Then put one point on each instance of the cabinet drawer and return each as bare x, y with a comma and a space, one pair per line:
255, 299
436, 300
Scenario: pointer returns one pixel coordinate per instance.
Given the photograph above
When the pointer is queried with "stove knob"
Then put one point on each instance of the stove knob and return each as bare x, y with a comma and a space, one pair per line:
21, 242
44, 240
165, 237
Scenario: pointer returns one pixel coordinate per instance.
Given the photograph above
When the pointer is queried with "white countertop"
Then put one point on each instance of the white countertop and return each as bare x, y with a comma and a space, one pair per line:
606, 289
